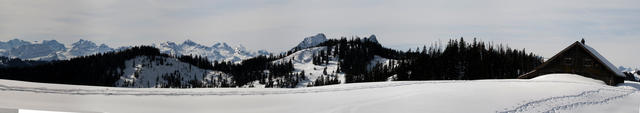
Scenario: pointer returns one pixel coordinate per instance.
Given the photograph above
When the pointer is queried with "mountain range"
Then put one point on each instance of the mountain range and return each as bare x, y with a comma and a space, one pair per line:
315, 61
48, 50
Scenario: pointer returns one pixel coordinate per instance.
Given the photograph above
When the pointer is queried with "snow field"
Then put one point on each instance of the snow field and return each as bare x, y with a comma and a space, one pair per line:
505, 96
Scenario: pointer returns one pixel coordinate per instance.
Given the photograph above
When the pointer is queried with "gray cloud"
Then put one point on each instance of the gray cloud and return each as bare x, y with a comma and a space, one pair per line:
540, 26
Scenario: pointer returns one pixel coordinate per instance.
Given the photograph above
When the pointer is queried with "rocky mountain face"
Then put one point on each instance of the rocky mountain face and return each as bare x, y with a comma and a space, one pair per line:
219, 51
311, 41
45, 50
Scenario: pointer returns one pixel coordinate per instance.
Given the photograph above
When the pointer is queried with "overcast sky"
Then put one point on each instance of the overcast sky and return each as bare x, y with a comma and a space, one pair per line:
541, 26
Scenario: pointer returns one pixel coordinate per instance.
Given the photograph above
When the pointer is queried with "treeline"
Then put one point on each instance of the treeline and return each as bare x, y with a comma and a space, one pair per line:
102, 69
458, 60
7, 62
461, 60
262, 69
356, 54
631, 76
99, 69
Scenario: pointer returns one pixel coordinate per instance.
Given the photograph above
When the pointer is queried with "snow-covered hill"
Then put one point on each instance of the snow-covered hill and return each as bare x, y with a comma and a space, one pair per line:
553, 94
302, 61
148, 72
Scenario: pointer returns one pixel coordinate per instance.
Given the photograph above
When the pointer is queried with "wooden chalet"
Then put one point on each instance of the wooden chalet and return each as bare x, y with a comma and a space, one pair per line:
582, 60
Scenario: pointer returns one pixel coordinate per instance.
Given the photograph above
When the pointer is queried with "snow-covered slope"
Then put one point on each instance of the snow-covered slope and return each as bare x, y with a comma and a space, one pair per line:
302, 61
148, 72
480, 96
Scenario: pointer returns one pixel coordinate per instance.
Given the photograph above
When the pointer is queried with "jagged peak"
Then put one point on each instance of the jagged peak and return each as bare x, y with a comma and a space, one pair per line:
168, 43
104, 46
312, 41
78, 43
189, 42
372, 38
16, 40
221, 45
50, 41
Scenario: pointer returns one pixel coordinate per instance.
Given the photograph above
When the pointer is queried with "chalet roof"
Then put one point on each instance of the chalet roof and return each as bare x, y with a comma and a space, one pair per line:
593, 53
603, 60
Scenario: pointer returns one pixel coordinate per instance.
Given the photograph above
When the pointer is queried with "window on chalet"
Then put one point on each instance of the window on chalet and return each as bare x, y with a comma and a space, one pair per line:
568, 61
588, 62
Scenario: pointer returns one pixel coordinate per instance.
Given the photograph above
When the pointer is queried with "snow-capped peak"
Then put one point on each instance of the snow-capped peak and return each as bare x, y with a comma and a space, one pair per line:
83, 47
312, 41
82, 42
55, 45
47, 50
222, 45
219, 51
14, 43
189, 43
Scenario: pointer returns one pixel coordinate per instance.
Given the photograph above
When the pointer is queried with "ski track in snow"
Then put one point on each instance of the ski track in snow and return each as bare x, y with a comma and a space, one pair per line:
187, 92
567, 102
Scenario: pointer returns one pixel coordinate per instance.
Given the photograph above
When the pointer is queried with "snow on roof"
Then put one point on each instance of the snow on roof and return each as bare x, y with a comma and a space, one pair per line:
604, 60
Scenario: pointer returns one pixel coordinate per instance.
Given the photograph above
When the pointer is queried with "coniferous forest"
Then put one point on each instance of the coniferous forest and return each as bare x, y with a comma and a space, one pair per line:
457, 60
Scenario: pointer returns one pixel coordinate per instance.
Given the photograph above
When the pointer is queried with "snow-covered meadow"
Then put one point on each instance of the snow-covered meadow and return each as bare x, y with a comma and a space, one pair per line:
557, 93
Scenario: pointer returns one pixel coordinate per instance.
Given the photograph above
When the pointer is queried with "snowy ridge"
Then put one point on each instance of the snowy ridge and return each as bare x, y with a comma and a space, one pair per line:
148, 72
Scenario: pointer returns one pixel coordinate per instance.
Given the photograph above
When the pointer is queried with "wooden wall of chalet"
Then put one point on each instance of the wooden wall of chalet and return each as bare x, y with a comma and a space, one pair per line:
576, 60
